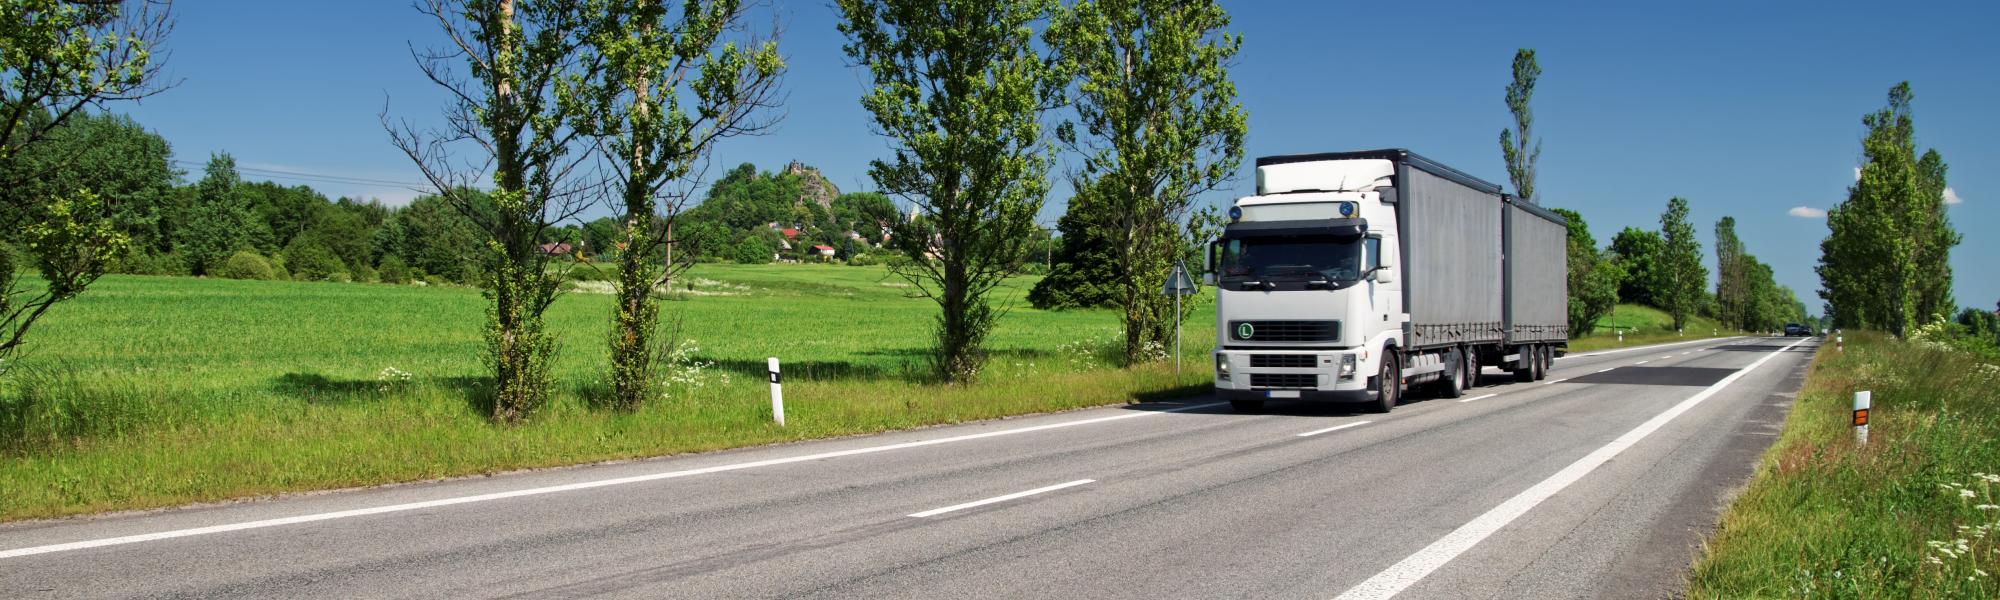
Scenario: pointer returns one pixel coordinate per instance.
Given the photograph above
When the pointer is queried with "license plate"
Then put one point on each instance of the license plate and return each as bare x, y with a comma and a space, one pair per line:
1281, 394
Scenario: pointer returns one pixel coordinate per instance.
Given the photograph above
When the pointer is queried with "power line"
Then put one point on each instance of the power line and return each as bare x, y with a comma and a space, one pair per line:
317, 177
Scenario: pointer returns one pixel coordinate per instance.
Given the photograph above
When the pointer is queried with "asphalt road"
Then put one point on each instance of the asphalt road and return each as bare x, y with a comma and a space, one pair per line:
1599, 482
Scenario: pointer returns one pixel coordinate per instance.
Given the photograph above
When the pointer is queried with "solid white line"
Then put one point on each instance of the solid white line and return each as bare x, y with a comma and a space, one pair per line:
328, 516
1553, 382
1334, 428
1410, 570
1478, 398
939, 511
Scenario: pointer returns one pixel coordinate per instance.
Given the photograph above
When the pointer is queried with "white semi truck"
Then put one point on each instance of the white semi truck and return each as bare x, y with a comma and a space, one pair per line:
1359, 276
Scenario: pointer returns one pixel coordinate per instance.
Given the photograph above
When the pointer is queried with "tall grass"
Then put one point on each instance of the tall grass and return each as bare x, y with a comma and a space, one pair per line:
154, 391
1908, 515
1642, 325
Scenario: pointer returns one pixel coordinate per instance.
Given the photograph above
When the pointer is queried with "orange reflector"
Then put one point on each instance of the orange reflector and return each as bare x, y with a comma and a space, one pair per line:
1860, 417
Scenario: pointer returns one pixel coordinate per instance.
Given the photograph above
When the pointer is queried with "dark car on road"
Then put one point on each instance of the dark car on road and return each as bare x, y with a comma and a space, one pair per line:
1797, 330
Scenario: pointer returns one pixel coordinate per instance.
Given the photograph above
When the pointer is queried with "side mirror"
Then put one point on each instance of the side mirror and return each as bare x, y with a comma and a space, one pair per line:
1208, 264
1385, 274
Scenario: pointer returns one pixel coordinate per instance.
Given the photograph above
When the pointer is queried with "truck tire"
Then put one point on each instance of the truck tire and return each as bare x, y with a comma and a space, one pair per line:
1389, 384
1525, 368
1451, 384
1247, 406
1541, 363
1471, 369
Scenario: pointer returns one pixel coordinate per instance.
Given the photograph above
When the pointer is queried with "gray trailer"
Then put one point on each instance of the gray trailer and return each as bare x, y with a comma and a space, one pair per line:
1536, 274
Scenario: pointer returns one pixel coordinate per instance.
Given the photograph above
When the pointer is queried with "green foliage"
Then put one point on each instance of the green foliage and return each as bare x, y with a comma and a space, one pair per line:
959, 93
1158, 124
127, 166
1514, 143
308, 260
219, 221
246, 264
431, 234
1638, 253
1682, 277
1593, 277
1086, 268
150, 263
751, 250
393, 270
1886, 262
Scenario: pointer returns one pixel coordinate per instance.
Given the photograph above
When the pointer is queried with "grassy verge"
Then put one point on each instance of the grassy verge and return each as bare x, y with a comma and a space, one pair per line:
1909, 515
156, 391
1643, 325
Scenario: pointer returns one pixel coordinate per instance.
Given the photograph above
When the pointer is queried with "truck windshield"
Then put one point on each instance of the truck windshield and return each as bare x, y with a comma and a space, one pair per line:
1291, 259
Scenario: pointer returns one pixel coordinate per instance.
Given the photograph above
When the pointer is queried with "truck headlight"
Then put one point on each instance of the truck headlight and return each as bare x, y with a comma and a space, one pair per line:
1222, 367
1346, 366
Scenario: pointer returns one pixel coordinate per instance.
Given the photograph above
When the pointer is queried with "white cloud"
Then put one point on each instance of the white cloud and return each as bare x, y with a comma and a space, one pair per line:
1951, 197
1807, 212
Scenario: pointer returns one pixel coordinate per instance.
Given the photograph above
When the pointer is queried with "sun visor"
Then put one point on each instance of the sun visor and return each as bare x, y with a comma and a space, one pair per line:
1340, 229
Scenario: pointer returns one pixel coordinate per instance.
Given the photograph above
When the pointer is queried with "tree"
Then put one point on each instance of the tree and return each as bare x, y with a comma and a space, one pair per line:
1732, 294
671, 90
866, 213
130, 168
1157, 123
433, 236
1682, 278
960, 94
1593, 278
1638, 253
1085, 268
218, 222
517, 111
1885, 261
57, 58
1515, 144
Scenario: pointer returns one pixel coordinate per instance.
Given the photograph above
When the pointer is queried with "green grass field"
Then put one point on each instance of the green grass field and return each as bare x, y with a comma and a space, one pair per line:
155, 391
1909, 515
1643, 325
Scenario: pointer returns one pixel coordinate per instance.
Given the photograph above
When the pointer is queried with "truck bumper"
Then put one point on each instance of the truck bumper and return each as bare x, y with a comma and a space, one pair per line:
1324, 383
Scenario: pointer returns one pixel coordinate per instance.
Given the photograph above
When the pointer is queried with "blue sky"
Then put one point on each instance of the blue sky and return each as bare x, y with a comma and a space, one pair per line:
1747, 109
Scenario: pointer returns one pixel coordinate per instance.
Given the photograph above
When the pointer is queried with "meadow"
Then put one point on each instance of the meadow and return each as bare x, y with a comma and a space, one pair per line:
1909, 514
157, 391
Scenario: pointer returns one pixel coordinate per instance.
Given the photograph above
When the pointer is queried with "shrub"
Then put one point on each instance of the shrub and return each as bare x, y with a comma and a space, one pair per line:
366, 274
393, 270
149, 263
246, 264
310, 261
435, 280
751, 251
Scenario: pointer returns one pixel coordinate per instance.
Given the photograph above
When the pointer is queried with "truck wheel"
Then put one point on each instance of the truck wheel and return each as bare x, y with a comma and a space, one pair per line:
1525, 368
1471, 369
1452, 384
1541, 363
1389, 385
1247, 406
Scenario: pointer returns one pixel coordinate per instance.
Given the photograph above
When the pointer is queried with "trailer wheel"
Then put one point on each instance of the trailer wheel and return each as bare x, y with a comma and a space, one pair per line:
1471, 369
1247, 406
1453, 385
1389, 385
1541, 363
1524, 369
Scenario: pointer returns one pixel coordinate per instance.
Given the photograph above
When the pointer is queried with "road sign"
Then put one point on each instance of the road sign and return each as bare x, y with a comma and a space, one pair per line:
1179, 283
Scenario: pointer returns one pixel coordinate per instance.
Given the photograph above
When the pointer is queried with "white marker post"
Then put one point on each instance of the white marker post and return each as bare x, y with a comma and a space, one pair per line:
1840, 343
777, 394
1861, 401
1621, 337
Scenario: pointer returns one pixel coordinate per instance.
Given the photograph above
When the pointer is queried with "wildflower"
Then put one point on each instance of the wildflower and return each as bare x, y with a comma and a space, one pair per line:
1967, 494
1988, 507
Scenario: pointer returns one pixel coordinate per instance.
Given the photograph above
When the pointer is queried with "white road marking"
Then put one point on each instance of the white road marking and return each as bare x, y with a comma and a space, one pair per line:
1335, 428
1410, 570
1607, 370
394, 508
1553, 382
1639, 348
1477, 398
1642, 362
976, 503
1667, 356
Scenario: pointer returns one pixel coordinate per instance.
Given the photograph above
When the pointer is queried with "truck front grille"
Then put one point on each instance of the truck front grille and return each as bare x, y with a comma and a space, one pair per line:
1284, 331
1304, 381
1282, 361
